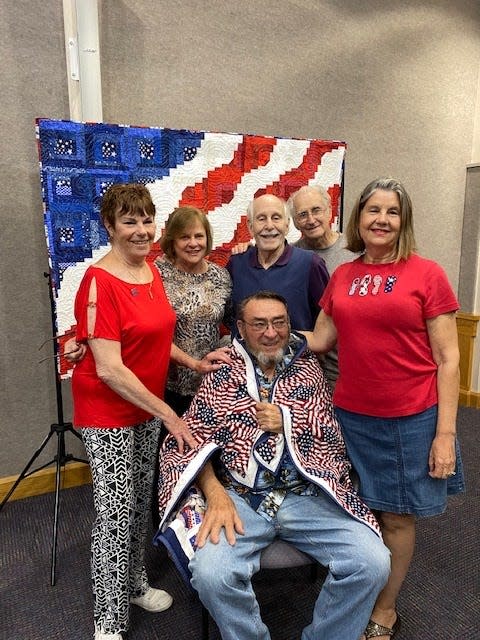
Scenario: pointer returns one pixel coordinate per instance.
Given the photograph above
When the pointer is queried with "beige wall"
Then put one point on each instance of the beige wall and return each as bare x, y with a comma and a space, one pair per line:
396, 80
32, 63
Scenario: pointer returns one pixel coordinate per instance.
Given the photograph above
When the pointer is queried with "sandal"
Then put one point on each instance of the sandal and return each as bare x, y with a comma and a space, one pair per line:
374, 630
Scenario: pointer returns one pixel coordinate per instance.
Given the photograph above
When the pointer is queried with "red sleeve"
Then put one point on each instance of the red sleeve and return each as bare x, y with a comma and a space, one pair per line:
439, 295
102, 319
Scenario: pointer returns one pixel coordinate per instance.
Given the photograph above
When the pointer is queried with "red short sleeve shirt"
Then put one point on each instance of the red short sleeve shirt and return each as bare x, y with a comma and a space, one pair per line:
138, 316
380, 311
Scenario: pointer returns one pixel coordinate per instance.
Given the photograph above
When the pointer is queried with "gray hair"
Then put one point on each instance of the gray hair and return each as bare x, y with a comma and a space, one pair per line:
315, 188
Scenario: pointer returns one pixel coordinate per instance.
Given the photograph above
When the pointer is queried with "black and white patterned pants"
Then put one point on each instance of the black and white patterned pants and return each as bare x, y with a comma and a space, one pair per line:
122, 463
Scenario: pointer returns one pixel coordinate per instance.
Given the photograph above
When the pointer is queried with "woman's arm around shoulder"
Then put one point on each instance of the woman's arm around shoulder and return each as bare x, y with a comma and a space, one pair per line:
212, 361
324, 334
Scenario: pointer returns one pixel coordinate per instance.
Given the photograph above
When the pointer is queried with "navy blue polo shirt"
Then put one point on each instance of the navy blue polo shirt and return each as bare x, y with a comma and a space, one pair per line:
300, 276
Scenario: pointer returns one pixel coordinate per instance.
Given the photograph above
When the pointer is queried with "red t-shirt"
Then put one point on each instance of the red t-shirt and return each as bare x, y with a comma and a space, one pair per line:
384, 356
138, 316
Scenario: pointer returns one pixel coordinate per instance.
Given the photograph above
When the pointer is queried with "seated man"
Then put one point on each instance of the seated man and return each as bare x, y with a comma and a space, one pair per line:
271, 463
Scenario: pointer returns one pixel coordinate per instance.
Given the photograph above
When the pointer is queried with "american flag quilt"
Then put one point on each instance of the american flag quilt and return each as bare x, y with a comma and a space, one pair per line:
217, 172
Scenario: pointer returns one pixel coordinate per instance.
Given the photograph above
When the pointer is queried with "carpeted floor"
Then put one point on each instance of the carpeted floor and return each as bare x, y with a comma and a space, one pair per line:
439, 601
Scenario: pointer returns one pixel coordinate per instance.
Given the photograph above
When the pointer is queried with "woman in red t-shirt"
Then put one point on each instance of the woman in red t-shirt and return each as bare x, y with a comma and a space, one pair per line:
126, 322
392, 315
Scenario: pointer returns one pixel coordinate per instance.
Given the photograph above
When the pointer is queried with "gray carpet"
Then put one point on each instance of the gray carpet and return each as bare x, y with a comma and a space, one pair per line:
440, 599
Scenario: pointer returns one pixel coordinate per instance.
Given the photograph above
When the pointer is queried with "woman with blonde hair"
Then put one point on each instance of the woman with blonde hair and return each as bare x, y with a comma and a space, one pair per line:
391, 313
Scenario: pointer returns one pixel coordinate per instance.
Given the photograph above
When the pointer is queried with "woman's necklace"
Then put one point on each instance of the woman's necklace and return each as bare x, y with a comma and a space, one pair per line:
138, 280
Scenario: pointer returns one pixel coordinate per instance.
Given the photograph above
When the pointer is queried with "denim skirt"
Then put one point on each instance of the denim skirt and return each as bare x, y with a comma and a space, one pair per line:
390, 456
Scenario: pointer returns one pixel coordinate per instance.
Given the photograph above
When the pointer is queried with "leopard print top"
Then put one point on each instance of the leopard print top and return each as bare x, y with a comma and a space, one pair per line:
199, 300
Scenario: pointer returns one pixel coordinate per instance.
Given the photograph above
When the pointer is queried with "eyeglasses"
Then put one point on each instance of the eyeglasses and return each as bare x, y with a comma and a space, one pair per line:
316, 212
57, 353
260, 326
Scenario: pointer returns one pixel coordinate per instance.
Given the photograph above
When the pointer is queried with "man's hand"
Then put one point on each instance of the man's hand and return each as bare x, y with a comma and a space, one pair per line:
241, 247
74, 351
269, 417
220, 514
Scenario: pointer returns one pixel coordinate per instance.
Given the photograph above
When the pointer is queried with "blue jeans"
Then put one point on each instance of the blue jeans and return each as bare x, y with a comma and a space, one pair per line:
357, 560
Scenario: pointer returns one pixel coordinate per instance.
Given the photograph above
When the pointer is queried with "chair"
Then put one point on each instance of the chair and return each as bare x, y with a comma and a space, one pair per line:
278, 555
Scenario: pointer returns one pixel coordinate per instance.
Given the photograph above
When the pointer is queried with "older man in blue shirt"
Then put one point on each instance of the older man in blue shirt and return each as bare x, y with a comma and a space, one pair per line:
298, 275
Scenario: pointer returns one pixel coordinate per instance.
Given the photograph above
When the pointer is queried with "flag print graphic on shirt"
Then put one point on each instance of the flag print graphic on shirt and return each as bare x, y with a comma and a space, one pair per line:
371, 285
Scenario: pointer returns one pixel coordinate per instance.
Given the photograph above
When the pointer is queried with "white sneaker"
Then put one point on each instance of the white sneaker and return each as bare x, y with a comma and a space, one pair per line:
154, 600
108, 636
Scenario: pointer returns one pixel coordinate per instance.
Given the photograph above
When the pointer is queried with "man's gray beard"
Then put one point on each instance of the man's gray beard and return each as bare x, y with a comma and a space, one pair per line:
271, 359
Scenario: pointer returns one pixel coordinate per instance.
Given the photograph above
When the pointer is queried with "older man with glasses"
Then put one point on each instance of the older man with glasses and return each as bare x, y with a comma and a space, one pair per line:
311, 210
270, 464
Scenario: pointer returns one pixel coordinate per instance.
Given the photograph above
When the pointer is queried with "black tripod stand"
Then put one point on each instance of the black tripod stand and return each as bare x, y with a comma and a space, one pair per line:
59, 428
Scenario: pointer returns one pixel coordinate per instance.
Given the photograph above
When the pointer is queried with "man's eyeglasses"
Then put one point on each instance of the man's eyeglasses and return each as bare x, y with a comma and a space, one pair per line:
260, 326
316, 212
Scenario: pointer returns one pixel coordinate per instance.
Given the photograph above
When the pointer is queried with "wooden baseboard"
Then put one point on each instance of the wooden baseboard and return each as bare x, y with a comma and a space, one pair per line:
73, 474
467, 333
469, 399
467, 324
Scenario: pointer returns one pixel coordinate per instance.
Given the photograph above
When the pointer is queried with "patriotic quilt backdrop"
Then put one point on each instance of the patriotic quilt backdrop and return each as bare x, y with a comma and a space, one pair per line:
217, 172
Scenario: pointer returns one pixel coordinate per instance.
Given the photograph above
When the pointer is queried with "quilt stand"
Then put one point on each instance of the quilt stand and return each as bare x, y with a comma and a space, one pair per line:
59, 428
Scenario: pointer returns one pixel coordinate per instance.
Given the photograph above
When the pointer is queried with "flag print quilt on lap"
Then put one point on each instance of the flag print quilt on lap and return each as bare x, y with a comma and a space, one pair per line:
219, 173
